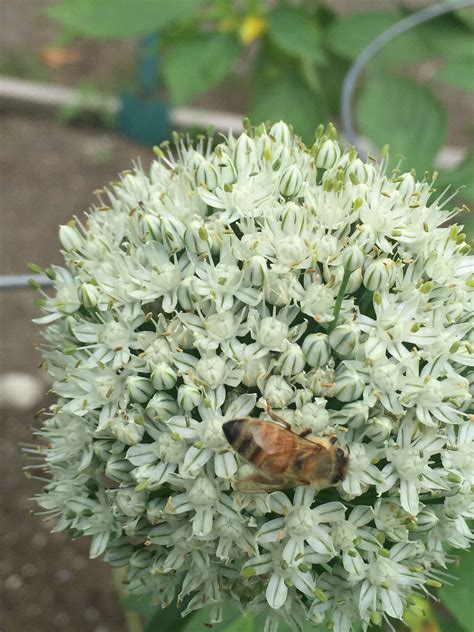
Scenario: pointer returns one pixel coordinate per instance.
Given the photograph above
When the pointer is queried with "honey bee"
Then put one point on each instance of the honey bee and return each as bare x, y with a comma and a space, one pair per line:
283, 458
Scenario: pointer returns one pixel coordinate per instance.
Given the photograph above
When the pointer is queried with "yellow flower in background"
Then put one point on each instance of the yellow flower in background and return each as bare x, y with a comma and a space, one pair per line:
251, 28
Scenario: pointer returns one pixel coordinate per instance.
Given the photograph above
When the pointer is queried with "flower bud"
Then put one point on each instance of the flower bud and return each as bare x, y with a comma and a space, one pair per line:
118, 468
355, 281
130, 502
152, 225
186, 296
344, 338
188, 397
211, 370
172, 233
318, 302
355, 413
385, 377
253, 370
245, 153
255, 270
139, 388
203, 493
352, 258
281, 133
327, 248
406, 186
348, 386
226, 169
328, 154
291, 182
126, 429
316, 349
277, 391
292, 360
70, 238
196, 239
377, 275
365, 237
221, 326
379, 428
321, 382
89, 295
272, 333
161, 406
206, 175
359, 172
163, 377
118, 554
315, 417
426, 520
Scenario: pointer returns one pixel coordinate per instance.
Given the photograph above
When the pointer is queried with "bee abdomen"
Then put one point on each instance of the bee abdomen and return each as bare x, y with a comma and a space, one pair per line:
242, 440
233, 431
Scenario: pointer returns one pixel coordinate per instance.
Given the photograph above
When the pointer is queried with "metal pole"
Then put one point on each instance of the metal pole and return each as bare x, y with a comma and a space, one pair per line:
21, 281
350, 81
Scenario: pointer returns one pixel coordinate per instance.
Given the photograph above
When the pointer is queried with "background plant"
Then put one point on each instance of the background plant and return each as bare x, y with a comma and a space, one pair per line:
295, 56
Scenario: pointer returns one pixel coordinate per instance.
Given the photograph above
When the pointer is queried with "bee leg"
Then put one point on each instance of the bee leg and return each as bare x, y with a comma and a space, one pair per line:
275, 417
305, 432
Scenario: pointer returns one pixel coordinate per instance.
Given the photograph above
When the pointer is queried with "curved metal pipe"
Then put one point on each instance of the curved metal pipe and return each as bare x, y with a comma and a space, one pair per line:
350, 81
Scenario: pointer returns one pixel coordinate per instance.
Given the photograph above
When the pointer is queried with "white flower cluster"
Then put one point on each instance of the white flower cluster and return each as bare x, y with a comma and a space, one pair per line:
262, 271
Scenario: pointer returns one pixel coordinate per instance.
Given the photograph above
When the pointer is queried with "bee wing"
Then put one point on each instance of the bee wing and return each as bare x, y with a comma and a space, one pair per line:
303, 462
261, 482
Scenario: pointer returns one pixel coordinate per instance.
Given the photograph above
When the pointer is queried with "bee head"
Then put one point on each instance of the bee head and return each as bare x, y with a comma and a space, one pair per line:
342, 464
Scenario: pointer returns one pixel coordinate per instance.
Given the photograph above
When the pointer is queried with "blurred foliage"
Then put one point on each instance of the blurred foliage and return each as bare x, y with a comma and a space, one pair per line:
23, 66
458, 595
297, 54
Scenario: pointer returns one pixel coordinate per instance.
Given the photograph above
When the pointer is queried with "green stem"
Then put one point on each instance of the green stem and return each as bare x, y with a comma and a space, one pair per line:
340, 296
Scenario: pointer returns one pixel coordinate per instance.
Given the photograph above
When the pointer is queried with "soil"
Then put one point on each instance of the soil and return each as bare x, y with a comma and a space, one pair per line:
47, 173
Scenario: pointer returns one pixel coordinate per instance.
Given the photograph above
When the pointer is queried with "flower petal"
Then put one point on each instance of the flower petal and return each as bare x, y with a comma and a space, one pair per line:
409, 497
272, 531
392, 603
280, 503
225, 465
321, 541
276, 592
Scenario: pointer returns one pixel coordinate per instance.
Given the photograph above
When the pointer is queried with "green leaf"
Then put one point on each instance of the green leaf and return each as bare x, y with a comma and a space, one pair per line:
405, 115
349, 35
459, 73
459, 598
289, 99
446, 622
466, 16
468, 222
200, 621
108, 19
242, 624
141, 604
192, 65
168, 620
297, 34
448, 38
460, 176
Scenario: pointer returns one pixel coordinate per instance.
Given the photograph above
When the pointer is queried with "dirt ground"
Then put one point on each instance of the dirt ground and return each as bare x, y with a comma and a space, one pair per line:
47, 173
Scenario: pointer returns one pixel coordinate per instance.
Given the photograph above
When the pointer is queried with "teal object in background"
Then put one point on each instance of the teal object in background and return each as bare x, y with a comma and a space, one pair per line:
143, 116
